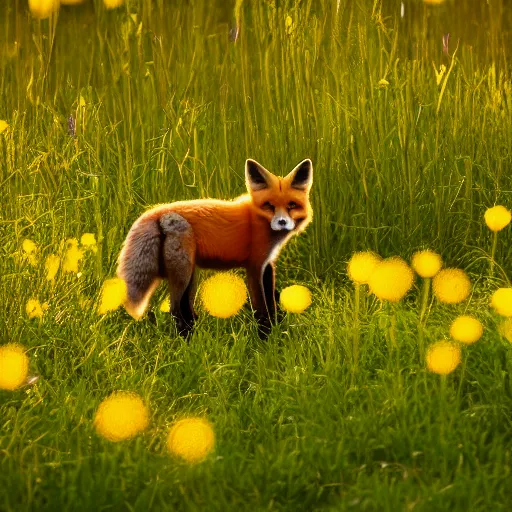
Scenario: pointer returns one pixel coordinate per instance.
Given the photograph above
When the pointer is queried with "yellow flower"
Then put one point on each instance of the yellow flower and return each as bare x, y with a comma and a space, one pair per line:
426, 263
52, 266
295, 298
72, 257
451, 285
497, 218
443, 357
34, 308
391, 279
434, 2
122, 415
30, 249
191, 438
502, 301
383, 83
505, 329
165, 306
361, 266
113, 294
3, 126
112, 4
223, 294
13, 366
43, 8
466, 329
88, 241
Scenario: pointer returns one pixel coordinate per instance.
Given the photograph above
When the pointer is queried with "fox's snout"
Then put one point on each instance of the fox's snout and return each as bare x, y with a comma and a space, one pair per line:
282, 222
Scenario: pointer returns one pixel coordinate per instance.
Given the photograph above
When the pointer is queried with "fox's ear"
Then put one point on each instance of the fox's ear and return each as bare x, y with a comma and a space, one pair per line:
302, 176
256, 176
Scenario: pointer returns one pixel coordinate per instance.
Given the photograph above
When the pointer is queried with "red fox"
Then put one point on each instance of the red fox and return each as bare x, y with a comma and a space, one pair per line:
170, 240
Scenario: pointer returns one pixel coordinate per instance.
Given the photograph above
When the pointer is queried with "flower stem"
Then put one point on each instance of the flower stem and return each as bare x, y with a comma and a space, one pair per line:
355, 343
493, 251
424, 297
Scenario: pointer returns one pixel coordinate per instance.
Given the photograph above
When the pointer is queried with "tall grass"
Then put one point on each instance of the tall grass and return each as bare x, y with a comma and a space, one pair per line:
168, 108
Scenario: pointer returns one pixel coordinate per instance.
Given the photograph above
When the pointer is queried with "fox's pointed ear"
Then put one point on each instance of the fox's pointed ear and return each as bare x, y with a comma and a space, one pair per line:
302, 176
256, 176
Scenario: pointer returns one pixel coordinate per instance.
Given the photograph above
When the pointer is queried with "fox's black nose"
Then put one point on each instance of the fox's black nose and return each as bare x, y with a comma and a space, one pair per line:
282, 222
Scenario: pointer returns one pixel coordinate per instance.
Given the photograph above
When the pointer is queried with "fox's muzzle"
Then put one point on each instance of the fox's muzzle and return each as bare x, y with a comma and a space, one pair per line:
282, 222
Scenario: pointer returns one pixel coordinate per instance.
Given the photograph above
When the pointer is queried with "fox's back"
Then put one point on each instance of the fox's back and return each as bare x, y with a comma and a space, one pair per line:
222, 229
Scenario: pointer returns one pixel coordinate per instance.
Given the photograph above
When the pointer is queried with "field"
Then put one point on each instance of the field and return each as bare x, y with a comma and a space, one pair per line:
111, 111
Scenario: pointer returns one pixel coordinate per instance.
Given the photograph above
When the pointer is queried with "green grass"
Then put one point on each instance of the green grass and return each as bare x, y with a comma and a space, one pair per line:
167, 108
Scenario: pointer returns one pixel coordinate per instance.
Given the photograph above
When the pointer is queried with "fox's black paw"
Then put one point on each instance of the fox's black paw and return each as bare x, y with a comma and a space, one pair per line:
152, 317
183, 327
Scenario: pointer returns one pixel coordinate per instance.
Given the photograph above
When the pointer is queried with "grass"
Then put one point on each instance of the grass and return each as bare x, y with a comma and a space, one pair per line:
167, 108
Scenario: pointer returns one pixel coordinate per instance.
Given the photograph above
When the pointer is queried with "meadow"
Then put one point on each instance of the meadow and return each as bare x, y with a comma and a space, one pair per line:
108, 112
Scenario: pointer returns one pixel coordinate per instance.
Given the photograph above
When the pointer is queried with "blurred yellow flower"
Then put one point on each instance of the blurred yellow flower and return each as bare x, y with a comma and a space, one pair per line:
52, 266
383, 83
361, 266
451, 285
295, 298
191, 439
433, 2
443, 357
122, 415
466, 329
223, 294
3, 126
35, 309
165, 306
426, 263
72, 257
88, 241
113, 294
505, 329
43, 8
112, 4
13, 366
30, 249
497, 218
391, 279
501, 301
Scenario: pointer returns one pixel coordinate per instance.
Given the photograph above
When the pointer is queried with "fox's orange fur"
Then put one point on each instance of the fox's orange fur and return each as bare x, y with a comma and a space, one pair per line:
170, 240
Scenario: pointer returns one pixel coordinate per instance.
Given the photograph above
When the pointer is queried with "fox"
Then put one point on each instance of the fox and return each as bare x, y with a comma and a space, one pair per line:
171, 241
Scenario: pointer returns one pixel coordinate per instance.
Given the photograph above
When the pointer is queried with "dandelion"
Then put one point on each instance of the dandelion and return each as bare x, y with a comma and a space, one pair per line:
223, 294
30, 249
443, 357
191, 439
3, 126
382, 83
52, 266
496, 218
112, 4
505, 329
121, 416
451, 285
13, 366
501, 301
165, 306
113, 294
295, 298
72, 257
35, 309
361, 266
466, 329
426, 264
88, 241
43, 8
391, 279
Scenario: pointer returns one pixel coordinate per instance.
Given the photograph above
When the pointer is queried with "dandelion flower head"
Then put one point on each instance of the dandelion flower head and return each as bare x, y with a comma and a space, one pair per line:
451, 285
361, 266
391, 279
443, 357
113, 294
466, 329
501, 301
191, 439
426, 263
13, 366
295, 298
497, 217
223, 294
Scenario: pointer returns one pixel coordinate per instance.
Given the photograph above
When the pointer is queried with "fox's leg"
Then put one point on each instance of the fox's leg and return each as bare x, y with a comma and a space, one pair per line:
261, 283
179, 254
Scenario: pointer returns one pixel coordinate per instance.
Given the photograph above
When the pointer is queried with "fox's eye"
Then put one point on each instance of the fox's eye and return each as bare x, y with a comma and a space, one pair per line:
268, 206
292, 205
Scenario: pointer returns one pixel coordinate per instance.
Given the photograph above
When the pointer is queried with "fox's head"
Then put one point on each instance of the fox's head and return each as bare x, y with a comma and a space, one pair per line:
284, 202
